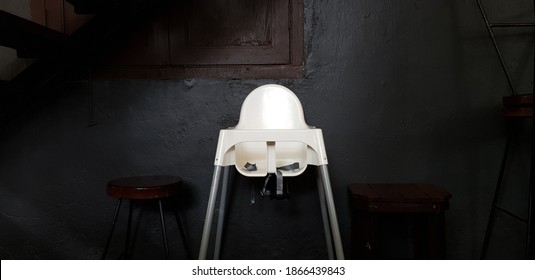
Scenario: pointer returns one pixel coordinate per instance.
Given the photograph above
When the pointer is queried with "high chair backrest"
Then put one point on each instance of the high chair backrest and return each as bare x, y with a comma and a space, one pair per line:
271, 107
268, 108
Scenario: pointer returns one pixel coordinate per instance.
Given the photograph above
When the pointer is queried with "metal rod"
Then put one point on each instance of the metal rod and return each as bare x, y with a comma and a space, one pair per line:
490, 222
530, 244
511, 214
332, 213
115, 215
164, 231
182, 233
209, 213
91, 98
221, 218
325, 219
127, 242
496, 48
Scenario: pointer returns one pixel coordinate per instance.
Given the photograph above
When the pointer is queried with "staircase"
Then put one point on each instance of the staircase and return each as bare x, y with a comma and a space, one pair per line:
61, 56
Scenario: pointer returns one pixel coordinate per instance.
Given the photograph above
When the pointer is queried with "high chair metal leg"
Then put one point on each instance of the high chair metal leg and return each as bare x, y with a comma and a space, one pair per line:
330, 222
222, 207
332, 212
325, 218
209, 213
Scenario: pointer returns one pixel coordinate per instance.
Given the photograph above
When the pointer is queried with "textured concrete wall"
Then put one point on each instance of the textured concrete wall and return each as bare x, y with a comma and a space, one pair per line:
405, 91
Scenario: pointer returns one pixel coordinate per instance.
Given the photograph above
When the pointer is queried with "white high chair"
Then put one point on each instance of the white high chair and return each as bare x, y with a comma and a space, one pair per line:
271, 133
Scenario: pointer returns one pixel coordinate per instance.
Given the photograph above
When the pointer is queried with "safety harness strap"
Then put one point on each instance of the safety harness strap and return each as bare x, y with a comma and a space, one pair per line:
279, 186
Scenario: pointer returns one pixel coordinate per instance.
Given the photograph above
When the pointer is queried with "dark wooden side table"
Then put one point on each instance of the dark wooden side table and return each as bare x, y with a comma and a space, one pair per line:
144, 188
422, 206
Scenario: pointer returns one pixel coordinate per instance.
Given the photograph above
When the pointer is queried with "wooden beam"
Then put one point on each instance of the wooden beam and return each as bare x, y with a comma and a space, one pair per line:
98, 6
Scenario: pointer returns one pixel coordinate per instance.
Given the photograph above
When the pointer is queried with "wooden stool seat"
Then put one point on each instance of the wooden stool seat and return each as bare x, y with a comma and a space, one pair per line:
518, 106
425, 205
399, 198
144, 187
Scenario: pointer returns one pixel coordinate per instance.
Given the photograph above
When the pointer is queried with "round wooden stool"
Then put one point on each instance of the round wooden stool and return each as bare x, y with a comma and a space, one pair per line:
422, 206
143, 188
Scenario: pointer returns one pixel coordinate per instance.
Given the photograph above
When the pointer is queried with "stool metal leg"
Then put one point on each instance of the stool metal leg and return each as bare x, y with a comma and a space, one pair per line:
497, 190
164, 231
209, 213
182, 234
325, 218
332, 212
129, 225
115, 215
221, 218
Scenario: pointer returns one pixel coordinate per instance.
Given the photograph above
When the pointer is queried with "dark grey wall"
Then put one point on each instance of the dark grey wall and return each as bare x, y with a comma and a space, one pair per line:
405, 91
